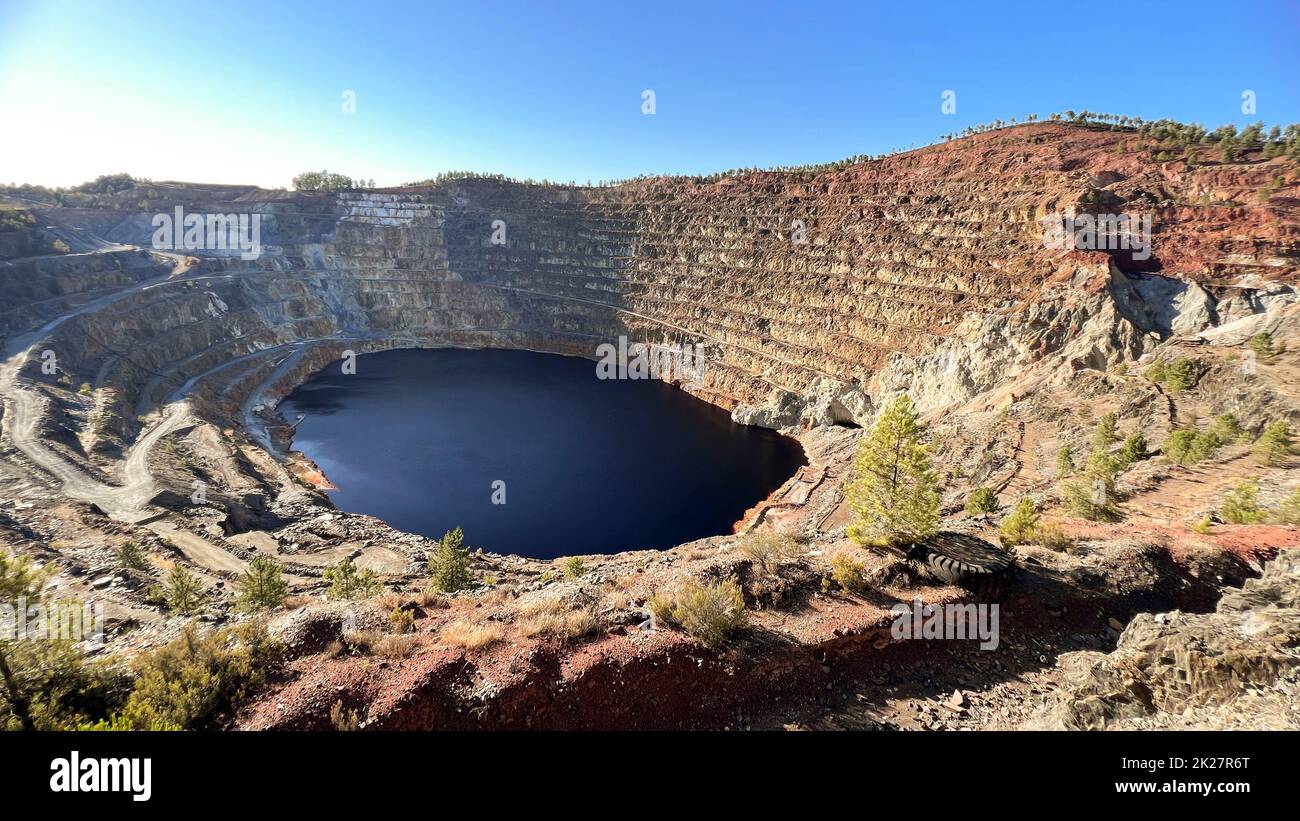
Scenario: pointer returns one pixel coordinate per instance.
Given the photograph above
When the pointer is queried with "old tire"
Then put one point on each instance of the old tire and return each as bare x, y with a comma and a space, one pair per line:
965, 560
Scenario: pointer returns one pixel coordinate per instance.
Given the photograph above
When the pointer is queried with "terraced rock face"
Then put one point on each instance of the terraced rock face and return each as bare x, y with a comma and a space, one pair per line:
130, 373
801, 288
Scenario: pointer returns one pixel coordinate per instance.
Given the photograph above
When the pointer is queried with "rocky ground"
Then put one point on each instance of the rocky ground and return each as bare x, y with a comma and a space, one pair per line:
926, 274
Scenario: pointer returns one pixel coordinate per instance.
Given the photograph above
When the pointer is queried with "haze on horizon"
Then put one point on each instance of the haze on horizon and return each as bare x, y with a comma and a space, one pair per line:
253, 93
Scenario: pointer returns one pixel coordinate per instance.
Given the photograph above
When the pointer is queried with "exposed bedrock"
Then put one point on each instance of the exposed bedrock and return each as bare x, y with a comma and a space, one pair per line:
1235, 666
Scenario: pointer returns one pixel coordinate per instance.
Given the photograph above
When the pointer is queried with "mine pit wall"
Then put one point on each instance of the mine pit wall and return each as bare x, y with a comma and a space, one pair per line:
813, 295
675, 265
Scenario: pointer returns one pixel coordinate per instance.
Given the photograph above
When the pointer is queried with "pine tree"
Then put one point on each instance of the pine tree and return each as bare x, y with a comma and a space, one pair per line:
131, 557
1241, 505
19, 579
1064, 463
1020, 524
982, 500
1134, 450
1274, 445
1092, 495
183, 591
449, 564
1106, 434
347, 582
894, 493
1262, 344
262, 586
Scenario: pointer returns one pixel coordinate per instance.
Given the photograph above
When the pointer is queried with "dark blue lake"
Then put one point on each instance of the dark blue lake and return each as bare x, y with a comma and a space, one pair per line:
419, 439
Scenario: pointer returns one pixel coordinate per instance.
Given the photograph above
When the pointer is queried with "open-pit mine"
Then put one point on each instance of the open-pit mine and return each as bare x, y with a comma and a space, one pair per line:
143, 447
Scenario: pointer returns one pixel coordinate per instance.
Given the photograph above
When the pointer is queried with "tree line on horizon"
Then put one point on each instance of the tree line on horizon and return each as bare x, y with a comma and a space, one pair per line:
1170, 134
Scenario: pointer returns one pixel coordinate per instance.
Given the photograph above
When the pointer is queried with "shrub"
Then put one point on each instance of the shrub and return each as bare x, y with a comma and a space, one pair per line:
574, 567
46, 684
470, 636
661, 607
193, 680
349, 582
343, 719
768, 551
849, 572
401, 621
183, 592
1274, 445
1157, 372
389, 600
895, 493
1051, 536
982, 500
131, 557
555, 618
1187, 446
434, 599
1262, 344
1241, 505
709, 612
449, 564
1288, 513
1018, 525
85, 389
1204, 526
1093, 498
262, 585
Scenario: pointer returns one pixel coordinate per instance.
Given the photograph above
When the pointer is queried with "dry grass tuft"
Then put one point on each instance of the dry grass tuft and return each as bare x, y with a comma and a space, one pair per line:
434, 600
556, 619
390, 601
499, 595
360, 641
470, 636
397, 646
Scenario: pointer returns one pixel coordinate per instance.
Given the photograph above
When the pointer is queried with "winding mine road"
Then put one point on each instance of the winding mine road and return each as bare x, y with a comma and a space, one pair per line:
23, 410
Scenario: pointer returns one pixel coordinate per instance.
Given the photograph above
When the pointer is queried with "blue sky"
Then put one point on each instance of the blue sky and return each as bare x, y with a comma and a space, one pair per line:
251, 92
